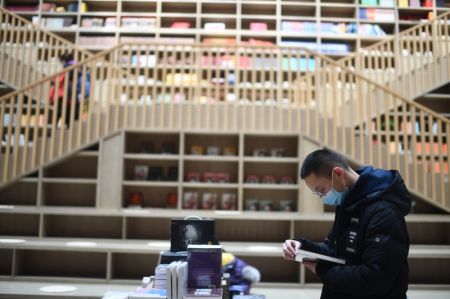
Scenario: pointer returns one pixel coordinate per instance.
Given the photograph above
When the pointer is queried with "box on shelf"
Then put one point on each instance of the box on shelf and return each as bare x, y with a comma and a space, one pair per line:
369, 2
190, 200
57, 22
387, 3
252, 205
130, 22
135, 200
258, 26
229, 151
92, 22
209, 201
172, 200
141, 172
155, 173
193, 177
213, 151
197, 150
215, 26
180, 25
48, 7
228, 201
268, 179
287, 205
266, 205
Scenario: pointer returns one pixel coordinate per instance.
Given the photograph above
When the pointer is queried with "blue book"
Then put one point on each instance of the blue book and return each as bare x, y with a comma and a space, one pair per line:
204, 266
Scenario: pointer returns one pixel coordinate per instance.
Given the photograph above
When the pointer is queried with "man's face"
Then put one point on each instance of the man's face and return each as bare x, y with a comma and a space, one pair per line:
320, 185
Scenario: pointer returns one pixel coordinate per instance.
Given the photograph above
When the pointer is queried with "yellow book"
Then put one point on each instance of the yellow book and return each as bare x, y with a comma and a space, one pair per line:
403, 3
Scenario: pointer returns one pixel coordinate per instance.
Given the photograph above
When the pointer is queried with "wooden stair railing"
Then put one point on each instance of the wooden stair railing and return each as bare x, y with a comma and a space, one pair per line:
29, 53
229, 88
411, 63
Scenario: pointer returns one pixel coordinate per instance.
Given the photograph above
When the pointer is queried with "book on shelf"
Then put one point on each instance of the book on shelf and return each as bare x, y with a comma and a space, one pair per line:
369, 2
258, 26
387, 3
304, 255
141, 172
215, 293
204, 266
403, 3
376, 14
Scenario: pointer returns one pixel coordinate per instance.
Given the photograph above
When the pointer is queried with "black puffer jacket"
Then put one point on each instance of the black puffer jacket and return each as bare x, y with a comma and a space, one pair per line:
370, 233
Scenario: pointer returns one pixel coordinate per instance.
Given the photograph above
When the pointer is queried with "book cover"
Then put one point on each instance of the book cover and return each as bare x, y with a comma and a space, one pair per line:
204, 266
182, 273
303, 255
141, 172
215, 293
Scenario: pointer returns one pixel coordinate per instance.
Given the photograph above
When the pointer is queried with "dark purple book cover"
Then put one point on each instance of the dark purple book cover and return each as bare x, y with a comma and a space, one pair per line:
204, 266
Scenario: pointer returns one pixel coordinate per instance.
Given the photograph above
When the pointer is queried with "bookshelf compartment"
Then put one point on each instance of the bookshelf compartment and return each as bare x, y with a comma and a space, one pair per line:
152, 197
209, 198
219, 8
20, 193
145, 228
69, 194
70, 226
274, 170
133, 266
275, 269
205, 141
61, 264
345, 12
6, 256
268, 9
270, 200
429, 233
254, 142
101, 6
141, 7
151, 170
252, 230
74, 167
179, 7
298, 11
152, 143
203, 170
19, 225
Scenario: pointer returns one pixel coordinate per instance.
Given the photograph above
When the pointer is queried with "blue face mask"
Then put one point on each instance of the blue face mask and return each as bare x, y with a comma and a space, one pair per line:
333, 197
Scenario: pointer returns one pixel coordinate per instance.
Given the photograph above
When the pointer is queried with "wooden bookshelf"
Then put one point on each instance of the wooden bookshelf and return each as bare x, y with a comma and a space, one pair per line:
245, 21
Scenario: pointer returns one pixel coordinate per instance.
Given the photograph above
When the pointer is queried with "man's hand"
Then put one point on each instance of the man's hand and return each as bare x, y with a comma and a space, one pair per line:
290, 248
311, 266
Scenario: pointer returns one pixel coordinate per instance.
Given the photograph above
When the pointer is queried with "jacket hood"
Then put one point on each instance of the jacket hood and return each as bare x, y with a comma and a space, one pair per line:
373, 184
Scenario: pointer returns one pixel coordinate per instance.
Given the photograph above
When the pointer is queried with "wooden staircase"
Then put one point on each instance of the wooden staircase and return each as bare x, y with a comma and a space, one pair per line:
152, 99
29, 53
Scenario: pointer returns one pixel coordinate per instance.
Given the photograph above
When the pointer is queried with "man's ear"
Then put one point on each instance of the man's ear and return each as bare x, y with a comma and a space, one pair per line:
339, 172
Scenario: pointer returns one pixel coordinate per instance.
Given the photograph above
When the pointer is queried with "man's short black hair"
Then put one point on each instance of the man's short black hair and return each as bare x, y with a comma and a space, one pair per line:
321, 163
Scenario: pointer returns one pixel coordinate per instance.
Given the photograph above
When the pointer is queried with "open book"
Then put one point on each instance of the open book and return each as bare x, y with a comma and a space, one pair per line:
303, 255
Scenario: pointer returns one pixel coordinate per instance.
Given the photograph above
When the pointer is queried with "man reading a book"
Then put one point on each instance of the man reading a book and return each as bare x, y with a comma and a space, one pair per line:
369, 230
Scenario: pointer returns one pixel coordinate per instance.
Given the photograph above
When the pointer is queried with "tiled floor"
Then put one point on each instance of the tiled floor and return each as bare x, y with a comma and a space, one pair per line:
16, 289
